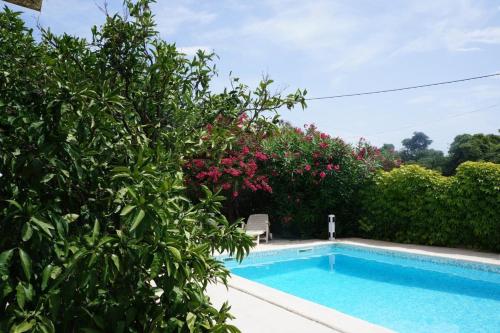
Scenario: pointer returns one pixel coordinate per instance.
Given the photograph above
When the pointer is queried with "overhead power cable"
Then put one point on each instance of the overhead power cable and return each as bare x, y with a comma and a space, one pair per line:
404, 88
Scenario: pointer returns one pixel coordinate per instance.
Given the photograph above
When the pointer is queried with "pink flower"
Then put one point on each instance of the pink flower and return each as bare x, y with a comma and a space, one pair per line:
235, 194
307, 167
329, 167
336, 167
199, 163
324, 136
227, 161
322, 174
214, 173
226, 186
323, 145
249, 184
201, 175
233, 172
260, 156
245, 150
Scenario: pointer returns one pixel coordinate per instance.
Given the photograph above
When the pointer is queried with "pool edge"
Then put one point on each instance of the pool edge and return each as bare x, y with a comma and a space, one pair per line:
318, 313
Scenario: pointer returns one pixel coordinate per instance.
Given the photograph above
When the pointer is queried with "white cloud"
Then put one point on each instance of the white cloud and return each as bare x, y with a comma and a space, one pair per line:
489, 35
192, 50
456, 26
171, 18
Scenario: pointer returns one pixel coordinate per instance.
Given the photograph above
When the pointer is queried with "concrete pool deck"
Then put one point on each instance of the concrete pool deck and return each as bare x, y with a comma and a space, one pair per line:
261, 309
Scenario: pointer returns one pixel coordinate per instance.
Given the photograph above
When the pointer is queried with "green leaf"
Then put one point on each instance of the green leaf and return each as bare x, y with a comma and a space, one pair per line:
156, 265
95, 231
175, 253
15, 203
190, 320
46, 325
43, 225
20, 295
138, 219
127, 209
46, 275
116, 261
25, 263
105, 240
23, 327
47, 178
132, 192
27, 232
71, 217
5, 257
55, 272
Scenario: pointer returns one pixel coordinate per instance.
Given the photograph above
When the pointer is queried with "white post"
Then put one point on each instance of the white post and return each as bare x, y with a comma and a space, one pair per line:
331, 226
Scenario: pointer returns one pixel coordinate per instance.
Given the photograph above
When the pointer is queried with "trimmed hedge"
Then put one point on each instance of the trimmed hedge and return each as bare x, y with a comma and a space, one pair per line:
415, 205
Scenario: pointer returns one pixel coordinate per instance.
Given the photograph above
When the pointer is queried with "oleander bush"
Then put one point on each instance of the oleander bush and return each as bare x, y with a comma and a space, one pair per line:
312, 175
97, 230
415, 205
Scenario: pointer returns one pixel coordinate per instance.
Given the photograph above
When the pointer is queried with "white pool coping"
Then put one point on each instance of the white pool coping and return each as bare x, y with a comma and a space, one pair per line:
335, 320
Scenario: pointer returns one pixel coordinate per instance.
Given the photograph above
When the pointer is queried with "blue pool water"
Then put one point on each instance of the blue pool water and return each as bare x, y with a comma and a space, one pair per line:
406, 293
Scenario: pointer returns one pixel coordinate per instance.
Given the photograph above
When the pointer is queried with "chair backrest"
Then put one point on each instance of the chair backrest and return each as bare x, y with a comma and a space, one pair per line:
257, 222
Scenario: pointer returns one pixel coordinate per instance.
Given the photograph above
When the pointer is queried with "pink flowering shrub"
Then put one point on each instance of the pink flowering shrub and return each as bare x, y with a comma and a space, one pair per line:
312, 175
238, 170
298, 176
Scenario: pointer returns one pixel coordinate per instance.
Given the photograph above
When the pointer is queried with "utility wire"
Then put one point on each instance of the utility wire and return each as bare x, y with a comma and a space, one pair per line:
405, 88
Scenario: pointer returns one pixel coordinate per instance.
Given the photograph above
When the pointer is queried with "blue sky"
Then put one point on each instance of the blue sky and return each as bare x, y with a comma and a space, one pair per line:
334, 47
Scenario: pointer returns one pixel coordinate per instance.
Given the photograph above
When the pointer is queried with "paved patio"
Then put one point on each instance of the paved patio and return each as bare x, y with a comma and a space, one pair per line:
254, 315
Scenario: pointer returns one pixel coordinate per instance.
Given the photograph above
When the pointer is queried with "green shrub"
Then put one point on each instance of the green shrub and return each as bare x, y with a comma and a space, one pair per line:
415, 205
474, 200
96, 231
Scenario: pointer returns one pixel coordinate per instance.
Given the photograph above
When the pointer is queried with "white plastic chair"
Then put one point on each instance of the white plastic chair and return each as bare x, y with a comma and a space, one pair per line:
258, 225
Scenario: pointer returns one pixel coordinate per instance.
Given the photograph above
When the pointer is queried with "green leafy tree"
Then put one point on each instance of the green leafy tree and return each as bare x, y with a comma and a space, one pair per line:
416, 151
96, 231
412, 146
431, 159
476, 147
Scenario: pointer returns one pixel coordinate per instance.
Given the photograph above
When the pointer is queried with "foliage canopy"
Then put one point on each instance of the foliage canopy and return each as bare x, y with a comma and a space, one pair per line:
97, 233
415, 205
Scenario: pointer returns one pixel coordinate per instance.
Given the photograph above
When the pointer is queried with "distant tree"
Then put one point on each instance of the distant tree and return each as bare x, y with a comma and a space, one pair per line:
391, 156
475, 147
389, 147
416, 151
414, 145
431, 159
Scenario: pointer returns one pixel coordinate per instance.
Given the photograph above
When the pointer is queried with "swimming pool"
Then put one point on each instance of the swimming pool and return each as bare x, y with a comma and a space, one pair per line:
400, 291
